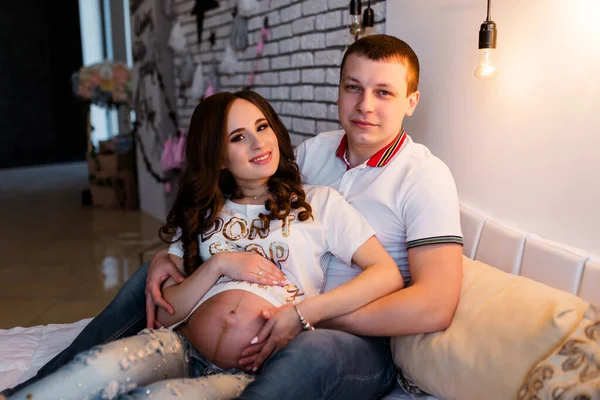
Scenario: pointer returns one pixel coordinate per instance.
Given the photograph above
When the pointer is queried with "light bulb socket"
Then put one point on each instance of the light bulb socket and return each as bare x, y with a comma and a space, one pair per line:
488, 35
368, 19
355, 7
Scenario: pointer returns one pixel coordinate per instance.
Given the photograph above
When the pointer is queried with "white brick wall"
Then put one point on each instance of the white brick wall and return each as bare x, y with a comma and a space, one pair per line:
299, 69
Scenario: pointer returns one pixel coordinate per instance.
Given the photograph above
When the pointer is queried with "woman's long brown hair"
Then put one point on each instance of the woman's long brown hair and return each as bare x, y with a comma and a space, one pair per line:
204, 184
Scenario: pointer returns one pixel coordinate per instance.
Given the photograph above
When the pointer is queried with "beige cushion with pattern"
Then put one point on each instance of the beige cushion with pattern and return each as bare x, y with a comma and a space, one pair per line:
503, 326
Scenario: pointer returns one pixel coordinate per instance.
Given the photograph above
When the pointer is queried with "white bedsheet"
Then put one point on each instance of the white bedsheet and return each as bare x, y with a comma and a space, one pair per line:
25, 350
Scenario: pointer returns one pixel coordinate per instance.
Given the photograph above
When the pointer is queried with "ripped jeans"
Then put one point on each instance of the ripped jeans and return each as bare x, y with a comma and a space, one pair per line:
154, 363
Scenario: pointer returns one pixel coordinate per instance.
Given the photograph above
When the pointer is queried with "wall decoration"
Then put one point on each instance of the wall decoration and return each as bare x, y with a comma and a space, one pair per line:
177, 41
239, 31
200, 7
212, 83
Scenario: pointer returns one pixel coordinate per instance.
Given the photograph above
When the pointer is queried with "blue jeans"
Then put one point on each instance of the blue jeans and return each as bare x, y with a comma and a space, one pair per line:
327, 364
123, 317
320, 364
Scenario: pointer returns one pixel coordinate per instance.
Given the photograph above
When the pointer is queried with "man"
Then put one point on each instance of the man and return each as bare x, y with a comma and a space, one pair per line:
409, 198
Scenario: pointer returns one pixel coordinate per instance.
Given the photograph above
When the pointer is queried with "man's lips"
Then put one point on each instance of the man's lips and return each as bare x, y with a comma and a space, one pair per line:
363, 124
262, 158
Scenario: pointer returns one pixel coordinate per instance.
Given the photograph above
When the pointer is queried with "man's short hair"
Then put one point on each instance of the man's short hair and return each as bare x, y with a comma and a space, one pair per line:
387, 48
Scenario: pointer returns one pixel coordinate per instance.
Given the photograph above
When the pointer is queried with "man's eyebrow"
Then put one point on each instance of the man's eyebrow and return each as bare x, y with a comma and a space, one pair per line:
243, 129
350, 78
385, 86
382, 85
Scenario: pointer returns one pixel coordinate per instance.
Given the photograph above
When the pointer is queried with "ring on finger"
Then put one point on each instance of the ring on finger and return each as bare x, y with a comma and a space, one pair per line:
260, 273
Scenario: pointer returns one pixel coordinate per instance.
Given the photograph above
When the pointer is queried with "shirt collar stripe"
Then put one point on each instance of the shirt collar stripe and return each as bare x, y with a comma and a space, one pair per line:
393, 149
379, 159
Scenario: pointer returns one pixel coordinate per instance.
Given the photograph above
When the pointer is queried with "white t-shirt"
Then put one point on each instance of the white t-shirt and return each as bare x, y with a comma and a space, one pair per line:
301, 249
406, 194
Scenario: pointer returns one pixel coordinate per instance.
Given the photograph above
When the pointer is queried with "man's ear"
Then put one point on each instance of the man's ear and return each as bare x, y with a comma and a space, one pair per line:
413, 100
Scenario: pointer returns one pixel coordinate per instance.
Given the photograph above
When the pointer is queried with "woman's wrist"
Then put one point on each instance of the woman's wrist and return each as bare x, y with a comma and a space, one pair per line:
309, 311
215, 263
306, 326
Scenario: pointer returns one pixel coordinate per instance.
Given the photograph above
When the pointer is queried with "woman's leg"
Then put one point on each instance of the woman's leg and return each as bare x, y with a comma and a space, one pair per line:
212, 387
123, 317
115, 368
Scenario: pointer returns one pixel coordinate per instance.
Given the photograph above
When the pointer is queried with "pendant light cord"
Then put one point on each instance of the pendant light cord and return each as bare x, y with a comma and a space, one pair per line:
488, 10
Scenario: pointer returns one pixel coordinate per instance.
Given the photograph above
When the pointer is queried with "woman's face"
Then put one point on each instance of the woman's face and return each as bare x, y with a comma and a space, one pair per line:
252, 147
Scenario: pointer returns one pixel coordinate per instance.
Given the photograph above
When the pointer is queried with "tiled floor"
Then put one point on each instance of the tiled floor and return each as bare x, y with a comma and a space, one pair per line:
61, 261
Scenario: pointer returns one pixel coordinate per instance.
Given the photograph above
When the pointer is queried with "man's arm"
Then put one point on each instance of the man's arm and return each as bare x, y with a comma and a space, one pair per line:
427, 305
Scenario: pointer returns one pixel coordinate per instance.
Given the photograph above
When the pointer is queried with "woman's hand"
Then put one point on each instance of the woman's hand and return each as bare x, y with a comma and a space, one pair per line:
282, 326
249, 266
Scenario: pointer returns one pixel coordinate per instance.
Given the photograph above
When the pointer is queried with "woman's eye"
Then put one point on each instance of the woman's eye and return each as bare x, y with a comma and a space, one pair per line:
262, 127
237, 138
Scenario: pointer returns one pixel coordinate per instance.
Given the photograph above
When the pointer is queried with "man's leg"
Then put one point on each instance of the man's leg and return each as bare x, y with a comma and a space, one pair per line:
326, 364
123, 317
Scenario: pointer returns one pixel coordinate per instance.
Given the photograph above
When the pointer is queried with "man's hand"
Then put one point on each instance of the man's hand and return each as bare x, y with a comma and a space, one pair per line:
282, 326
161, 268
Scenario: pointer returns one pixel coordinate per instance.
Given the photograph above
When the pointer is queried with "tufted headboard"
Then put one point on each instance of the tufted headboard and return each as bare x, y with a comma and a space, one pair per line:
529, 255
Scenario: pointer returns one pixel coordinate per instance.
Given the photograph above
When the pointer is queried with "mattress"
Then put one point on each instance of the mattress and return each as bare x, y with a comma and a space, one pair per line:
25, 350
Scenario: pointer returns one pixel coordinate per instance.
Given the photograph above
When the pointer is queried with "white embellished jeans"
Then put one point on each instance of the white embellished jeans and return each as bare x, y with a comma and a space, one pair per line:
155, 364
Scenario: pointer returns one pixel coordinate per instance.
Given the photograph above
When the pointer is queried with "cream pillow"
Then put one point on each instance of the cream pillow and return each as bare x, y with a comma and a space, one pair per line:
503, 326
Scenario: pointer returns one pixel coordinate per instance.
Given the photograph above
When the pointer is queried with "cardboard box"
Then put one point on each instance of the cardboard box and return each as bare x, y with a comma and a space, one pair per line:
114, 191
110, 164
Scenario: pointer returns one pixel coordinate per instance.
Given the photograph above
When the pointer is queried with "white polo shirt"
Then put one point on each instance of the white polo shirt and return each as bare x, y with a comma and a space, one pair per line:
407, 195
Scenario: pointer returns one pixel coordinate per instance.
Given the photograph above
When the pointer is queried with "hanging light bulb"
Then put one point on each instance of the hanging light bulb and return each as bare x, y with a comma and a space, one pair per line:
355, 26
368, 19
487, 48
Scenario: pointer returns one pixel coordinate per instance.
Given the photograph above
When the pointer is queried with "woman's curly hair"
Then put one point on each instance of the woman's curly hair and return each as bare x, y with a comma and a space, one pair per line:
204, 184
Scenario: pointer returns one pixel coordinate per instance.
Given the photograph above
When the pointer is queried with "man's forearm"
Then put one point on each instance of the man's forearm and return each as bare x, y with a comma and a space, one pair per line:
408, 311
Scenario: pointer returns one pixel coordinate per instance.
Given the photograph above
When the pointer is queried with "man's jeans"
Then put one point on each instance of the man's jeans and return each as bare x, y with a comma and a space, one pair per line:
327, 364
320, 364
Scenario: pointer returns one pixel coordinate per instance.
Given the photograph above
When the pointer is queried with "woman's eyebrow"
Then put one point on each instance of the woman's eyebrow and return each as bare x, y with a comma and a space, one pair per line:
243, 129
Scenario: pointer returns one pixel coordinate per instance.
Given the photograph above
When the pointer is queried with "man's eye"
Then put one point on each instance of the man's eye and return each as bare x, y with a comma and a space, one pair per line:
352, 88
384, 93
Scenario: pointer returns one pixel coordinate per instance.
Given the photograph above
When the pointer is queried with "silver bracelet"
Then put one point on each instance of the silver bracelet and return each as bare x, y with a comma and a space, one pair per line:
306, 326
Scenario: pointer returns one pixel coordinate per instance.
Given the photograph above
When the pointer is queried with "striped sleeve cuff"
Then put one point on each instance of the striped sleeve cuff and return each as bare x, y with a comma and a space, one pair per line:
434, 240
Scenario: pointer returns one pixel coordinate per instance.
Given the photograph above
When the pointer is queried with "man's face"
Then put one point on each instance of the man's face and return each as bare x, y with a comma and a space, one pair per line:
372, 101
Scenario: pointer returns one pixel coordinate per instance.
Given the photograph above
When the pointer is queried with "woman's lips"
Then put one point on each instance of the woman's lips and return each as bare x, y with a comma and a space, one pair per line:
263, 158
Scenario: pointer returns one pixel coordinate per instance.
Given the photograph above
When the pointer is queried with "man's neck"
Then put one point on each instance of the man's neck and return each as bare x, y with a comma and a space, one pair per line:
356, 155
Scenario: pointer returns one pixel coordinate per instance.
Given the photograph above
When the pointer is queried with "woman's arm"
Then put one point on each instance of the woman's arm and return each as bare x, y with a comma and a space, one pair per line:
379, 278
243, 265
185, 295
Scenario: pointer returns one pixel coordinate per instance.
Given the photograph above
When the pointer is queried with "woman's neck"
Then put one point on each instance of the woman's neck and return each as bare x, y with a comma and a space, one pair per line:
253, 193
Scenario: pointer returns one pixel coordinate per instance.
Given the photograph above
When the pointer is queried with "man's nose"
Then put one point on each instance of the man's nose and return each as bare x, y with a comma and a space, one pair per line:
366, 103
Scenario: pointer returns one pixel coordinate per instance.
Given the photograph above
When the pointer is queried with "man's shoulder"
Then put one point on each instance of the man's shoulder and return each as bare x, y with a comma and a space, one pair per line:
319, 192
418, 159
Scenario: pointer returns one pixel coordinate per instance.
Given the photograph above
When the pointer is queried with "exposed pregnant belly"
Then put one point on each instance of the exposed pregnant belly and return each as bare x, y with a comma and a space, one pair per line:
224, 325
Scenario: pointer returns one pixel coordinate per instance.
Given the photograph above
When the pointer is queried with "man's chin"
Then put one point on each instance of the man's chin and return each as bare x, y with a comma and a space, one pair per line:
363, 138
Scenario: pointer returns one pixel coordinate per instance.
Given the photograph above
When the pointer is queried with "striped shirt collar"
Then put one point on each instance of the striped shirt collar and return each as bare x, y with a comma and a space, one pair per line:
379, 159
